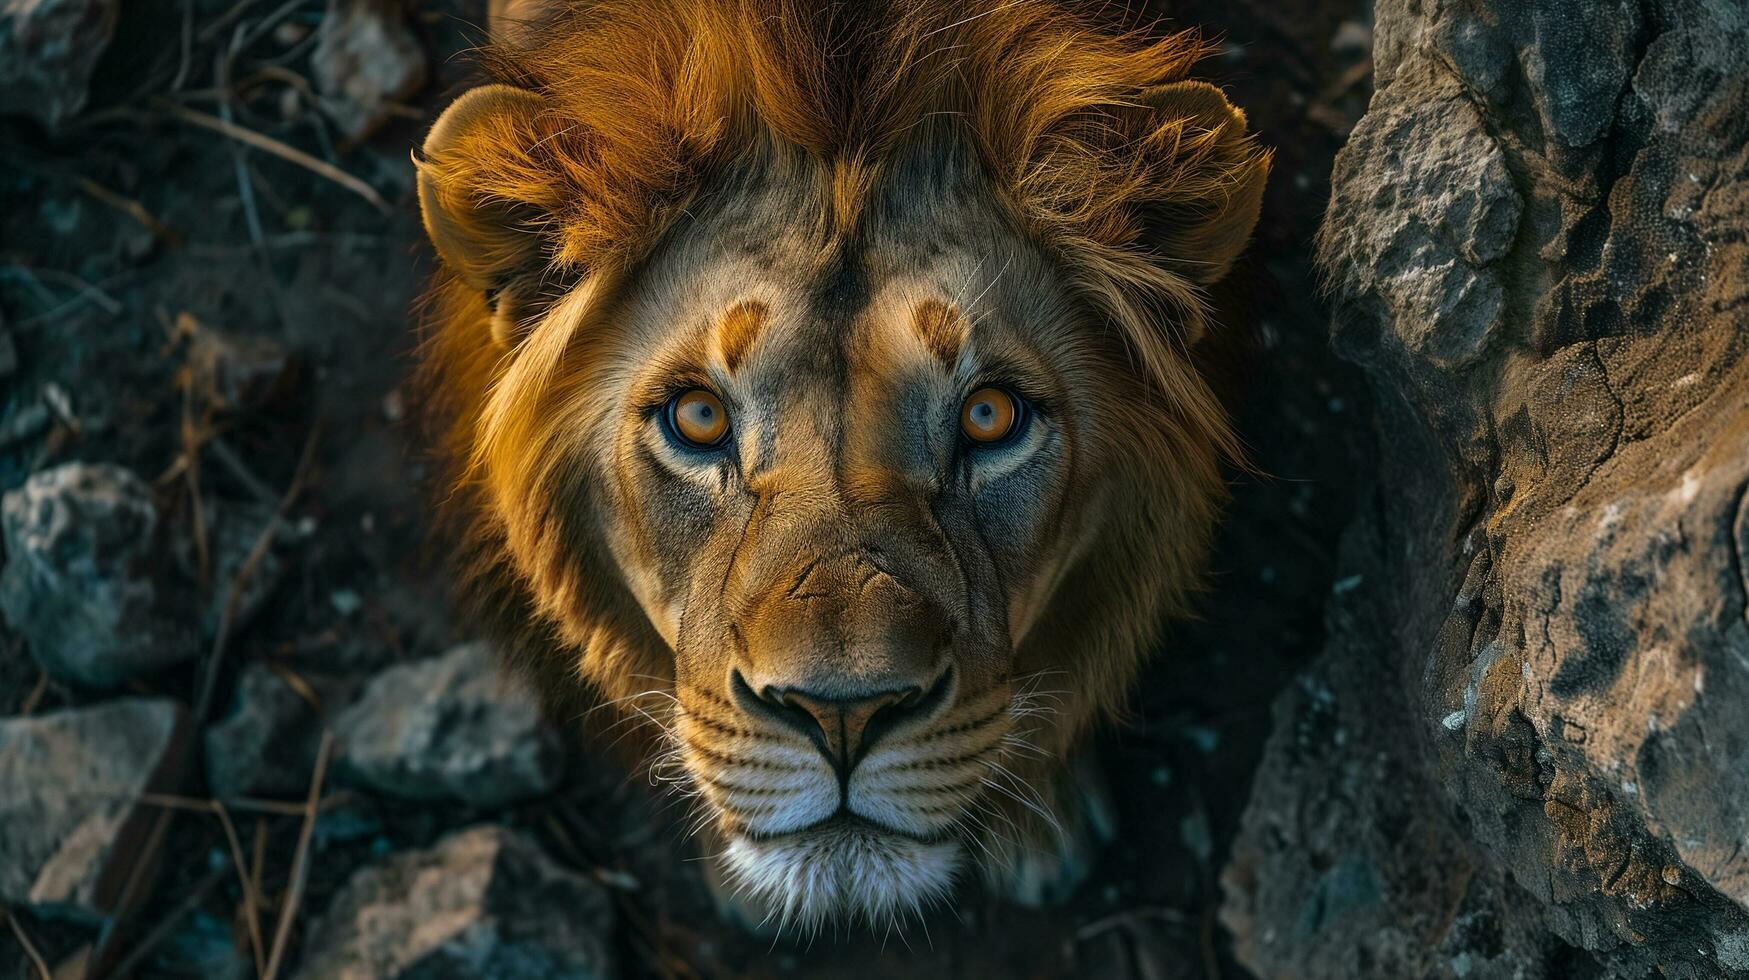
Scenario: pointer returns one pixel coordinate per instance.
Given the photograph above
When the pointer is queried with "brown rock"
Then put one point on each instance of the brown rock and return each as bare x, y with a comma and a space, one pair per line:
1525, 749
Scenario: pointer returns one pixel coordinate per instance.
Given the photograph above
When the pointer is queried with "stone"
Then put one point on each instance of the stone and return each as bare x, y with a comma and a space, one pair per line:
450, 728
1524, 750
48, 51
86, 579
366, 59
484, 902
71, 819
266, 743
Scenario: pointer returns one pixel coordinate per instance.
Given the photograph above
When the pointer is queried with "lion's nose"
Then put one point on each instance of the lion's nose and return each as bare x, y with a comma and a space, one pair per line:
844, 728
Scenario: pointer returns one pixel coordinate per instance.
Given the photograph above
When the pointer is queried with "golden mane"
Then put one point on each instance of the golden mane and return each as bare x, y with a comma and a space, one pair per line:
648, 98
1140, 185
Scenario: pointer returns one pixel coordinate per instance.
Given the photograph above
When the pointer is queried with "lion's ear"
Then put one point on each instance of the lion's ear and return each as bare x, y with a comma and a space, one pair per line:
1203, 219
477, 202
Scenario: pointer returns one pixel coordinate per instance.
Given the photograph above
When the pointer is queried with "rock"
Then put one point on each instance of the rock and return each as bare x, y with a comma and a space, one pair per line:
85, 578
70, 813
1524, 750
366, 59
485, 902
266, 744
450, 728
48, 50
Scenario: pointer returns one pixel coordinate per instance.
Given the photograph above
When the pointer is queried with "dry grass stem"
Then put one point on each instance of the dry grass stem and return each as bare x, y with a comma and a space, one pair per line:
246, 572
300, 859
30, 950
292, 154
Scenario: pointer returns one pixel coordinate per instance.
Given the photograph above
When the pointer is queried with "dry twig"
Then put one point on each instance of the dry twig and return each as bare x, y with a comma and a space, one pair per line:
30, 950
246, 572
132, 208
294, 891
243, 134
246, 804
251, 902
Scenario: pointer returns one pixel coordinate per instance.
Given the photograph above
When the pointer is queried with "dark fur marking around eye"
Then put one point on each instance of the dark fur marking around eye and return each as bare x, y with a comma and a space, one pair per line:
941, 328
739, 329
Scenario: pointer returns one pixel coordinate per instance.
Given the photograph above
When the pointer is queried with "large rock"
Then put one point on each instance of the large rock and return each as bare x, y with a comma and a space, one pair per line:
48, 50
87, 578
450, 728
1525, 751
485, 902
70, 812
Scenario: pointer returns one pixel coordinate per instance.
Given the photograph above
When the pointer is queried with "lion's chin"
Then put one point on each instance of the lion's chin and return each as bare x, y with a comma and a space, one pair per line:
842, 870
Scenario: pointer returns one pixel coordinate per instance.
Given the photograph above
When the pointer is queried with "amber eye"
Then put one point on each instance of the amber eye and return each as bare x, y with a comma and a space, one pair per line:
991, 415
698, 418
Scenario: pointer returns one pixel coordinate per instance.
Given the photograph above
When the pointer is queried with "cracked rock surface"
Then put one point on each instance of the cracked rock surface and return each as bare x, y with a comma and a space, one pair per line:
1525, 748
451, 727
83, 549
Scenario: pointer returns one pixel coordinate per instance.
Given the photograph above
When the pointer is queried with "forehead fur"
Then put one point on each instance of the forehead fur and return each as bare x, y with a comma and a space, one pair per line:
648, 98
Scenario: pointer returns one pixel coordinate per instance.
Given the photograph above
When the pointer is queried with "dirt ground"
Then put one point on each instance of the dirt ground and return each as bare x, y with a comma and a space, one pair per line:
134, 227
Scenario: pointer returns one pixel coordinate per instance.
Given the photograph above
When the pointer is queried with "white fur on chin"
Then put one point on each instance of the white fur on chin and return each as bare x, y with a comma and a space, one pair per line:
843, 871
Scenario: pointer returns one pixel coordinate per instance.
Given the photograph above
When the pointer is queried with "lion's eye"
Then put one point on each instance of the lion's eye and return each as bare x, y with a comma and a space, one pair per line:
698, 418
992, 415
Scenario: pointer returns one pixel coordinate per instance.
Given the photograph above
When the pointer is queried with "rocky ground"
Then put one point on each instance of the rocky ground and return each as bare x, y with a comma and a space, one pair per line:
1488, 686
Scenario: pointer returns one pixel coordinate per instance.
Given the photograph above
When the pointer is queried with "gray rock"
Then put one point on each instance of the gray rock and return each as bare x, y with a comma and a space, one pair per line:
266, 744
450, 728
86, 578
48, 50
1525, 748
485, 902
367, 57
70, 813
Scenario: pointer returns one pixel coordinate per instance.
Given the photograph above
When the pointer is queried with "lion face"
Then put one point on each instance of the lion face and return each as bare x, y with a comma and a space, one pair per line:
845, 481
843, 456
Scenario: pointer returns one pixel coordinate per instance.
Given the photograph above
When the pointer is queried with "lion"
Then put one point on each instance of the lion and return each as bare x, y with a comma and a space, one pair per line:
823, 385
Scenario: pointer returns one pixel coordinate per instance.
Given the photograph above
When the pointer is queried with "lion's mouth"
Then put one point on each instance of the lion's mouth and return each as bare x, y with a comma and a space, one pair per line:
846, 821
845, 865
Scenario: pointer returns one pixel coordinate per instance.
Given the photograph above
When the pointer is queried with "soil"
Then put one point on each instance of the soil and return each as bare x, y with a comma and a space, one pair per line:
246, 243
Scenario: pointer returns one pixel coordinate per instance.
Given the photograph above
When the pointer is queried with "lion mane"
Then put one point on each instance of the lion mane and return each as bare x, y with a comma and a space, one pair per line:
1141, 187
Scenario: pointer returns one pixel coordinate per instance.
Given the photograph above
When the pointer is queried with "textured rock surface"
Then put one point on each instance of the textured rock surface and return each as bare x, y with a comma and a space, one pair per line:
484, 902
450, 728
265, 745
1525, 751
70, 815
48, 49
84, 578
